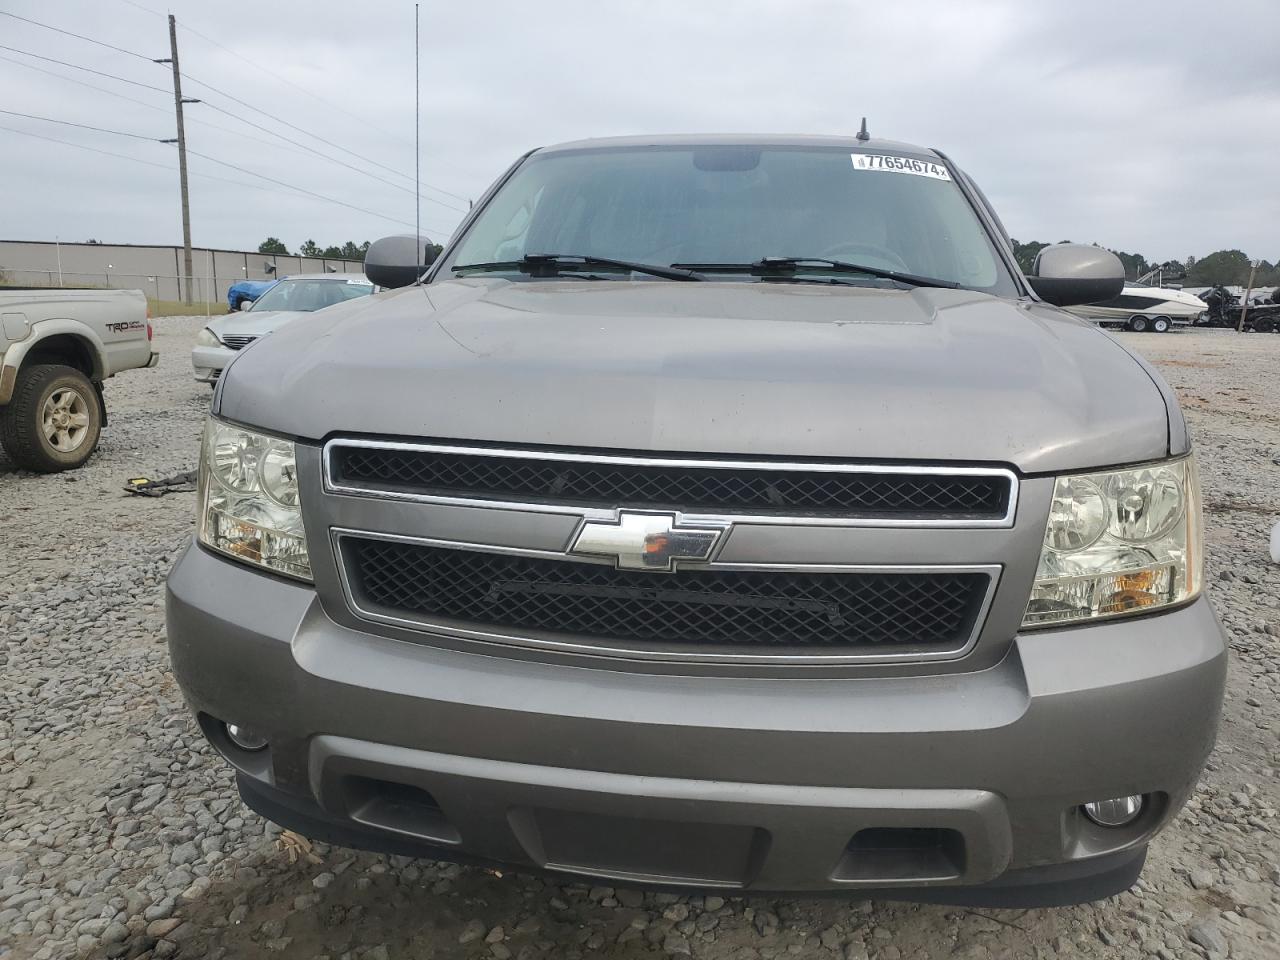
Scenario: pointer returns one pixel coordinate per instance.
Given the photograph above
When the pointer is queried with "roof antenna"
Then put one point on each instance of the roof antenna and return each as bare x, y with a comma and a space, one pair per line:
417, 146
862, 134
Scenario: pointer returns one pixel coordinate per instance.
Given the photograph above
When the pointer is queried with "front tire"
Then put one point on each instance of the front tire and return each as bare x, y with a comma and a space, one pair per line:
1161, 324
1138, 324
54, 420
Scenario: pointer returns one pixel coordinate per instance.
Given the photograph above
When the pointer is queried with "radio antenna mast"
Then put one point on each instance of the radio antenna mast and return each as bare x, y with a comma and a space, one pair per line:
417, 148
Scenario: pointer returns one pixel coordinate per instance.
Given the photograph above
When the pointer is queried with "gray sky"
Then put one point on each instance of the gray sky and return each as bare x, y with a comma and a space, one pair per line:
1148, 127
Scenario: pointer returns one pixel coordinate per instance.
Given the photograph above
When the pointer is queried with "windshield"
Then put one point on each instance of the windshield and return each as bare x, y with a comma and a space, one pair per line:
309, 295
733, 206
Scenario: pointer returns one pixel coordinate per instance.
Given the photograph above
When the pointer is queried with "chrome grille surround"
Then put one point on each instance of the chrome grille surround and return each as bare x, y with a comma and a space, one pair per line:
551, 529
237, 341
335, 484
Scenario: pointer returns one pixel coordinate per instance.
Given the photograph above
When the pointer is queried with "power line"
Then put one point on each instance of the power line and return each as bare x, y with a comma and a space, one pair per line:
76, 66
83, 83
310, 193
271, 73
218, 92
207, 176
81, 146
82, 126
185, 76
314, 152
285, 80
125, 156
100, 43
140, 56
224, 163
213, 106
186, 27
143, 8
314, 136
151, 106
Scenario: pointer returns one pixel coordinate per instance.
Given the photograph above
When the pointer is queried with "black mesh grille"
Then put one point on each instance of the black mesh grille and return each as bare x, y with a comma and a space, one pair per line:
692, 489
692, 607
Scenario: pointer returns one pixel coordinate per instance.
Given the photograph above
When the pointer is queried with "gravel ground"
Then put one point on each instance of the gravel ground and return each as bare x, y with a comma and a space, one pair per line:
121, 833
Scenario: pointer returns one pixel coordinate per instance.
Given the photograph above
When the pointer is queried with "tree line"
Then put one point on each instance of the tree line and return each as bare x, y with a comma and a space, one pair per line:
309, 248
1227, 267
348, 251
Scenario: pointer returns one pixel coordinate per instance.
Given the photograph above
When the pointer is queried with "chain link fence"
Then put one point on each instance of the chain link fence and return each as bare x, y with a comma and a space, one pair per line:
155, 270
155, 286
164, 291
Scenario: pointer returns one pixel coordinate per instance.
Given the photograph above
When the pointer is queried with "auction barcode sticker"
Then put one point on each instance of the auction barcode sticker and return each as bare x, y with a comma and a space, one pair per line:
891, 164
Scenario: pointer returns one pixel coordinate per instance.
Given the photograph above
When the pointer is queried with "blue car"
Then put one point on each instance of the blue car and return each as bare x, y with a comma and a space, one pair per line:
246, 290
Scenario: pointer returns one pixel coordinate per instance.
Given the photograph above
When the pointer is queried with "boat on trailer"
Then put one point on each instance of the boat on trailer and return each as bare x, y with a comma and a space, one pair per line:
1140, 308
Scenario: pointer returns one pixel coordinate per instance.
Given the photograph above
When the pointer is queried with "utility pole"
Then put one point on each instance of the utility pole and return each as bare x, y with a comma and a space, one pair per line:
1244, 310
178, 101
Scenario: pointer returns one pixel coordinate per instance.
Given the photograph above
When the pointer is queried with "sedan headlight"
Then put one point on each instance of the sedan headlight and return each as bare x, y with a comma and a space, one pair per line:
248, 497
1119, 542
207, 338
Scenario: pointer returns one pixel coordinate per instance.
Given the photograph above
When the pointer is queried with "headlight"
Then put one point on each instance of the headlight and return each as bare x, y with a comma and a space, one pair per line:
1124, 541
207, 338
249, 499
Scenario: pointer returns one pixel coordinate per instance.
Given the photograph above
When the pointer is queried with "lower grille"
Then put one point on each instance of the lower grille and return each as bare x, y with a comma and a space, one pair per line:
767, 610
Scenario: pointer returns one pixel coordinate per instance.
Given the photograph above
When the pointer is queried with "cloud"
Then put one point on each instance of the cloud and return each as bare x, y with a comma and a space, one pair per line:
1143, 126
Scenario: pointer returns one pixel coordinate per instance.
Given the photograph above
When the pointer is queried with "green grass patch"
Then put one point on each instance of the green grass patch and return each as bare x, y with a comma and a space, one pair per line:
176, 308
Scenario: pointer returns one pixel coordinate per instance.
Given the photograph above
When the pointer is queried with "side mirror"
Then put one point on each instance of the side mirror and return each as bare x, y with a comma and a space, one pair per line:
246, 305
1067, 274
398, 261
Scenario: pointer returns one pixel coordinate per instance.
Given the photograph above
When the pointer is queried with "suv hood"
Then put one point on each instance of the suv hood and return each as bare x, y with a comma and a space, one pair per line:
763, 369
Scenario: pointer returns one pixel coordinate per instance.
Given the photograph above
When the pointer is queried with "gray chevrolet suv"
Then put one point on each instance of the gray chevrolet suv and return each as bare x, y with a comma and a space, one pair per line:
714, 512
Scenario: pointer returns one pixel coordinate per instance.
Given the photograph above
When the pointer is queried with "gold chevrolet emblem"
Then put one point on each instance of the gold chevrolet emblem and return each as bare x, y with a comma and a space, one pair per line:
645, 541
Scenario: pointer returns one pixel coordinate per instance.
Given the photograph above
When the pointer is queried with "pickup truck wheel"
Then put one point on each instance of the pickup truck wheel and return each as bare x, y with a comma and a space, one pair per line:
53, 421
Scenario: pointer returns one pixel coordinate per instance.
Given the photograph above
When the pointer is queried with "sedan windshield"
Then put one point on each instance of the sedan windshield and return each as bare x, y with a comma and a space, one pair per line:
309, 295
722, 211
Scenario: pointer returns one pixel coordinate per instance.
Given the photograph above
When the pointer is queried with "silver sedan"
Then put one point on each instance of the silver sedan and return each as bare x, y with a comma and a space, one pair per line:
286, 301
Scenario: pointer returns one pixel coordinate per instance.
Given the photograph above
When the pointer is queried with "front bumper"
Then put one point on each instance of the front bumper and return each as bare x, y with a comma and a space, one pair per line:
209, 362
962, 788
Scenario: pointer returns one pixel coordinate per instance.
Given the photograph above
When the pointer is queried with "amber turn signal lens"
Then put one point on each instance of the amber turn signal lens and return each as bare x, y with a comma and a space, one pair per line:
1137, 589
1123, 600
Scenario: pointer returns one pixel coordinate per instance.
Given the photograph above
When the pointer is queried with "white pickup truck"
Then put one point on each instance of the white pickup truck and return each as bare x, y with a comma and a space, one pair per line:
56, 348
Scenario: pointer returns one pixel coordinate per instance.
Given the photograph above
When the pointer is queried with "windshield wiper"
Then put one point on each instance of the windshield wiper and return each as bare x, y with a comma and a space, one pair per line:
551, 265
790, 266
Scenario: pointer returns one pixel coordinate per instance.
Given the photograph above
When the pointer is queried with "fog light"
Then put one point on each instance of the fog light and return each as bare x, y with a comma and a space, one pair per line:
1114, 813
244, 738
